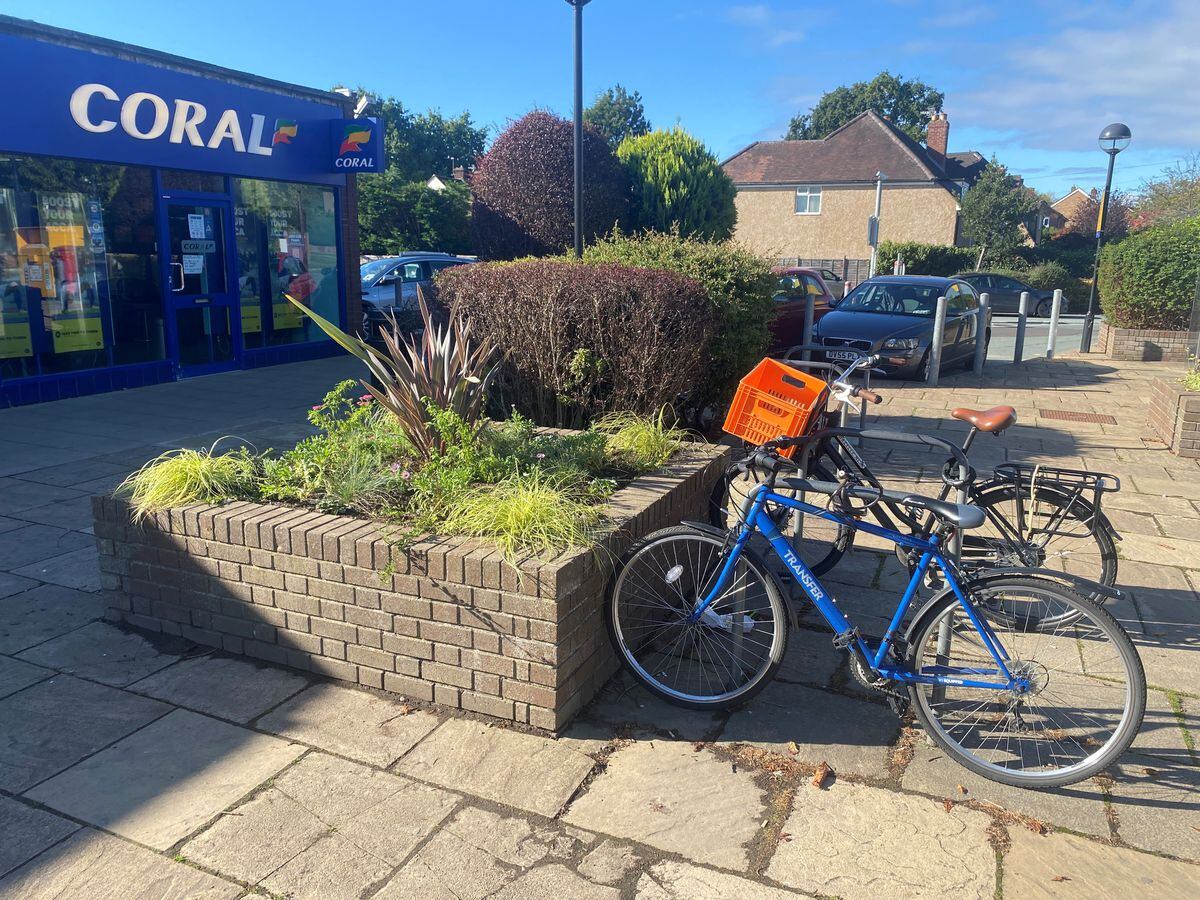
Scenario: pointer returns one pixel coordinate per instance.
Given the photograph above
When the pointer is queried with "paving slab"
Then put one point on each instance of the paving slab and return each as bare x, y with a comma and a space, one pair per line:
14, 584
98, 866
1162, 733
670, 880
853, 736
383, 814
622, 703
69, 474
532, 773
668, 795
1157, 804
350, 722
1067, 867
27, 832
16, 675
448, 868
1079, 807
853, 841
56, 723
31, 543
554, 882
79, 569
609, 863
100, 652
333, 868
74, 514
46, 611
163, 782
17, 494
234, 689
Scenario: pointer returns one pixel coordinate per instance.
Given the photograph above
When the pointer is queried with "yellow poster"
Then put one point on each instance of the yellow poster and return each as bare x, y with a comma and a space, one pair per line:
286, 315
15, 340
79, 330
251, 315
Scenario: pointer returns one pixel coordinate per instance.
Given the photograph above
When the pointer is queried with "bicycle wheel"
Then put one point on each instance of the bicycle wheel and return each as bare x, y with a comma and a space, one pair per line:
718, 661
822, 543
1056, 532
1087, 695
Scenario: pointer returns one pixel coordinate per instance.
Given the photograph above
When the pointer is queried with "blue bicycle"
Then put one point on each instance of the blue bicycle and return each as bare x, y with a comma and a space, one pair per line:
1015, 675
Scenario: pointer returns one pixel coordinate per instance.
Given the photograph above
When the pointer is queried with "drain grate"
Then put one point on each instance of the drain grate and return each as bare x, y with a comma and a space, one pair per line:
1067, 415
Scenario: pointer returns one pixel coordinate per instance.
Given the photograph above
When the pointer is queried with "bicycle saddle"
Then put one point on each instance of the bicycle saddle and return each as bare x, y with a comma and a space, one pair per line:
993, 420
960, 515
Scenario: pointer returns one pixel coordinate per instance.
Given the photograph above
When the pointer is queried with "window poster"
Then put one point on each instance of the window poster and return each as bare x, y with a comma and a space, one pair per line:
70, 298
196, 226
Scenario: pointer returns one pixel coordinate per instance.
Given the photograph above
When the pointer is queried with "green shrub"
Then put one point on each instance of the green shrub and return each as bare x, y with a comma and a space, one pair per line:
640, 443
926, 259
740, 288
1148, 280
583, 340
678, 183
181, 477
1049, 276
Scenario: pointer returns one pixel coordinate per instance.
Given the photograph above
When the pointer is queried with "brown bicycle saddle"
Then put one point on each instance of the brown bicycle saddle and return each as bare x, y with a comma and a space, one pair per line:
992, 420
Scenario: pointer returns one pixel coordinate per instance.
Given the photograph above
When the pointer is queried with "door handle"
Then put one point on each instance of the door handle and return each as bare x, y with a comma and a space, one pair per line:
181, 276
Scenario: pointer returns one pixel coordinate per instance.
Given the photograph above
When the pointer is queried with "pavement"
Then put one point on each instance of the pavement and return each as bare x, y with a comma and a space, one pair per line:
1003, 345
132, 767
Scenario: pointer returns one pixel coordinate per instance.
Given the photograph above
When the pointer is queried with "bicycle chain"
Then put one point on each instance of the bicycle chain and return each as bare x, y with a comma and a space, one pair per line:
897, 697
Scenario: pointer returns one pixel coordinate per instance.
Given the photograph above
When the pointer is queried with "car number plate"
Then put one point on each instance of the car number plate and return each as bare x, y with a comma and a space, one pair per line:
847, 355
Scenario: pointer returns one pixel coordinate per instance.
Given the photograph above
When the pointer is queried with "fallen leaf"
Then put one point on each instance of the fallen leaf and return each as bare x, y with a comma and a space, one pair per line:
824, 771
1036, 826
1150, 773
793, 748
1060, 878
961, 789
697, 746
786, 838
405, 709
949, 804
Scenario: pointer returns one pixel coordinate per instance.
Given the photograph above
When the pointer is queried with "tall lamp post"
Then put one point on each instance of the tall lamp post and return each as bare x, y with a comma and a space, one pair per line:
579, 5
1113, 139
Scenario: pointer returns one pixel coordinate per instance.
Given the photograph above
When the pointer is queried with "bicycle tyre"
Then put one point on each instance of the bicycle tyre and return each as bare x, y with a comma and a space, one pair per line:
1075, 639
705, 552
992, 497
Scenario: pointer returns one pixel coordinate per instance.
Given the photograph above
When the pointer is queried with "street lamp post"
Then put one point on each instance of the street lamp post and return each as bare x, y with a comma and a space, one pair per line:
578, 152
1113, 139
873, 223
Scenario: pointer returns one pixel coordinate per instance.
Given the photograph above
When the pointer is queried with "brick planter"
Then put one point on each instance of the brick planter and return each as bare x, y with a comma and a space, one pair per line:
1145, 345
444, 620
1174, 417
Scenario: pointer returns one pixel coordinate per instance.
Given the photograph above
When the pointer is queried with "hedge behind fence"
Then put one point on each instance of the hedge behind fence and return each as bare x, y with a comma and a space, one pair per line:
925, 259
583, 340
1148, 280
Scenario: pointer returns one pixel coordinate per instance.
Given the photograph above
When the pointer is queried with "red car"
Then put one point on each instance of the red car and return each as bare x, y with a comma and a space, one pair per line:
795, 284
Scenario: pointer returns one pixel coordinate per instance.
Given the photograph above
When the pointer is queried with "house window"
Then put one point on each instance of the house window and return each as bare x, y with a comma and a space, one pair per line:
808, 200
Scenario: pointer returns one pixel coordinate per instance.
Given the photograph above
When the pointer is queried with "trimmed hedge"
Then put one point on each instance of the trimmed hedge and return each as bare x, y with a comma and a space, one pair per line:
1148, 280
584, 340
740, 288
926, 259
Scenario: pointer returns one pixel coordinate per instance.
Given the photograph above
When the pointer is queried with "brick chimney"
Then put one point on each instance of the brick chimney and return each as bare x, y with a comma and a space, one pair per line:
459, 174
938, 137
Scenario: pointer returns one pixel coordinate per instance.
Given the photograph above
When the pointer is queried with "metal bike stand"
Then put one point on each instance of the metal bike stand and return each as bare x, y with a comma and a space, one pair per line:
955, 553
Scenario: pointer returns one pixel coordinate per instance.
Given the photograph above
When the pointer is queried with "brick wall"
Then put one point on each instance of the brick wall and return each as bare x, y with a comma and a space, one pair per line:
1145, 345
445, 620
1174, 417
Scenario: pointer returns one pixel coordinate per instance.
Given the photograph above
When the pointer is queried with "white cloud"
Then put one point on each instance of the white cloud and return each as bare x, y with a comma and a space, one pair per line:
784, 36
751, 14
1058, 92
762, 21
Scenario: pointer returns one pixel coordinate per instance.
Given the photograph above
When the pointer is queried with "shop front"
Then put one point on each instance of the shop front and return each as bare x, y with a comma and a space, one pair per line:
155, 211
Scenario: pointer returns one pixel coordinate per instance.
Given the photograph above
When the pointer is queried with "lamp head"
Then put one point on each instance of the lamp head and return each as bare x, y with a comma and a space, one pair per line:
1115, 138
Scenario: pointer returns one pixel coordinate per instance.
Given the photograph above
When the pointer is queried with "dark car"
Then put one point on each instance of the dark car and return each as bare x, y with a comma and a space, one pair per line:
893, 317
1004, 293
795, 285
389, 286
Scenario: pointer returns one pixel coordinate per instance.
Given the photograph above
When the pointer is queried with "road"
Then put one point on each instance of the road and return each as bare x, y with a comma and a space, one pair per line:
1004, 336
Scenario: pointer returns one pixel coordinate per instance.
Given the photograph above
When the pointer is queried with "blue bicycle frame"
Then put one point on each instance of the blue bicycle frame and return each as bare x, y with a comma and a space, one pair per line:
756, 519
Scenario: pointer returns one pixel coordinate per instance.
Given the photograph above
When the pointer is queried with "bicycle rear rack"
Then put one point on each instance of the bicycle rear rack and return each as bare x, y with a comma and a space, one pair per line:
1075, 484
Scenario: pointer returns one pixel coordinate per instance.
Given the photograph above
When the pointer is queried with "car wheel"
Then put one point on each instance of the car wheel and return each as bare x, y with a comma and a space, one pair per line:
923, 369
1044, 308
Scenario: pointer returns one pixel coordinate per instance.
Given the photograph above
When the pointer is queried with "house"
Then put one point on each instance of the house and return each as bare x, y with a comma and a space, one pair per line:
810, 200
1065, 207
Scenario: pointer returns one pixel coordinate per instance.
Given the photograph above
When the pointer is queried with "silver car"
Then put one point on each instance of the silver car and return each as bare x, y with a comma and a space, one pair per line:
389, 285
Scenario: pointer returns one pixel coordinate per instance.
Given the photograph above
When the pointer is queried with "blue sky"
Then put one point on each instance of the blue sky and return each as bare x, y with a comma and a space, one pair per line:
1031, 81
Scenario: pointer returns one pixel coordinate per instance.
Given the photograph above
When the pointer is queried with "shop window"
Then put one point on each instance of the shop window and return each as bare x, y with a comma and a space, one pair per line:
286, 237
78, 270
199, 182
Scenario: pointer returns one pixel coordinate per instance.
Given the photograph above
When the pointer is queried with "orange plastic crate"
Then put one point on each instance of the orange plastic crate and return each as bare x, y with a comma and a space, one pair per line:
775, 400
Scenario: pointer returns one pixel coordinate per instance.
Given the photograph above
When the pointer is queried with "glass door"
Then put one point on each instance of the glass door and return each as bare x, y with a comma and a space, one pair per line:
202, 304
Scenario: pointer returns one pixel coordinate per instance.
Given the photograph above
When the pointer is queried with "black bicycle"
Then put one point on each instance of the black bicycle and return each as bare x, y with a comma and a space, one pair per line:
1036, 516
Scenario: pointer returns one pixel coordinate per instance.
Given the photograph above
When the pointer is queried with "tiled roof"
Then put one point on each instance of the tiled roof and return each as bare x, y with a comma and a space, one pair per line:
854, 153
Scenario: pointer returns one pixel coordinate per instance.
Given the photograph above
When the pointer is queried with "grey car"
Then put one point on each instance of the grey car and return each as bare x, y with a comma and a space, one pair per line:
1004, 293
389, 285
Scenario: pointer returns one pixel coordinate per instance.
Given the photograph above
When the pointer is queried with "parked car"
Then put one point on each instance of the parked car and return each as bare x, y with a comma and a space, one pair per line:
795, 284
893, 316
833, 281
382, 277
1004, 293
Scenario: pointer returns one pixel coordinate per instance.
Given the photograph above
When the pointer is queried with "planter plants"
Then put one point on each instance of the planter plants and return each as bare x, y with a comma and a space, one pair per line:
410, 544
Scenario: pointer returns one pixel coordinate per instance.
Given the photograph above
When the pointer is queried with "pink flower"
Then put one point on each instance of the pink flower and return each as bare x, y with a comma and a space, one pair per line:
540, 456
366, 397
315, 408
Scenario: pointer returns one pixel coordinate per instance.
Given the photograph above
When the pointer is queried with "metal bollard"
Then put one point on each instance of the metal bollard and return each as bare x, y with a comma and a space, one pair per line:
809, 314
1054, 311
1022, 315
981, 324
935, 346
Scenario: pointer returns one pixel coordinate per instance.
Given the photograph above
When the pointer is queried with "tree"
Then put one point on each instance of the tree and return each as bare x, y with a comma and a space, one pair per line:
395, 215
523, 189
1174, 196
617, 114
677, 183
907, 104
1087, 214
993, 209
423, 144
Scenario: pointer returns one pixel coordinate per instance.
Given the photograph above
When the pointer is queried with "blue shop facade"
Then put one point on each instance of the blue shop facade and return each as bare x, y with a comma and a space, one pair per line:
155, 211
